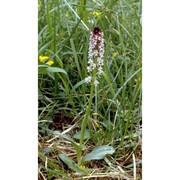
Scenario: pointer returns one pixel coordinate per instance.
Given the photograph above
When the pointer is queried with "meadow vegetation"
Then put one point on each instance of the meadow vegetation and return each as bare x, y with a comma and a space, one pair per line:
110, 146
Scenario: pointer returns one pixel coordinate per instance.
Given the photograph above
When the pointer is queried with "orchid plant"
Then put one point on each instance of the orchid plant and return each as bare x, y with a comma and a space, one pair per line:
95, 70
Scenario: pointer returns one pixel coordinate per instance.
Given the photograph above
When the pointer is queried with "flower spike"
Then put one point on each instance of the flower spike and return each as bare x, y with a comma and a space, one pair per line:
95, 55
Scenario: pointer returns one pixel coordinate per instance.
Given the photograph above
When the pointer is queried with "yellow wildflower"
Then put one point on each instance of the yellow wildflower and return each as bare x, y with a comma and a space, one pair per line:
43, 58
97, 14
50, 62
115, 54
39, 5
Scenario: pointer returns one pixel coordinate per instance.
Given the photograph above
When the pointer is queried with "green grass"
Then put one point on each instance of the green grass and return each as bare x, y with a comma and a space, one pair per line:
64, 27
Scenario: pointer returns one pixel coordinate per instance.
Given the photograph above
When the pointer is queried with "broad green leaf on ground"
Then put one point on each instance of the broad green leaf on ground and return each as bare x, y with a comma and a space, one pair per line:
78, 135
70, 163
76, 145
99, 153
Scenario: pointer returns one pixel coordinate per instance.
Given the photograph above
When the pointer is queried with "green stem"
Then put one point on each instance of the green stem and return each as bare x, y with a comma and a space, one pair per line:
96, 108
85, 120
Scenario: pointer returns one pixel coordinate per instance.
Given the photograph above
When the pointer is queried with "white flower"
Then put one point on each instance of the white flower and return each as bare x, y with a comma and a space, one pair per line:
95, 53
89, 69
100, 71
96, 82
88, 79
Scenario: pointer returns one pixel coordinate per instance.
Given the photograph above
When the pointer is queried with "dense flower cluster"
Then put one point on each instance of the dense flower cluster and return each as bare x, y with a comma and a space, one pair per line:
95, 55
